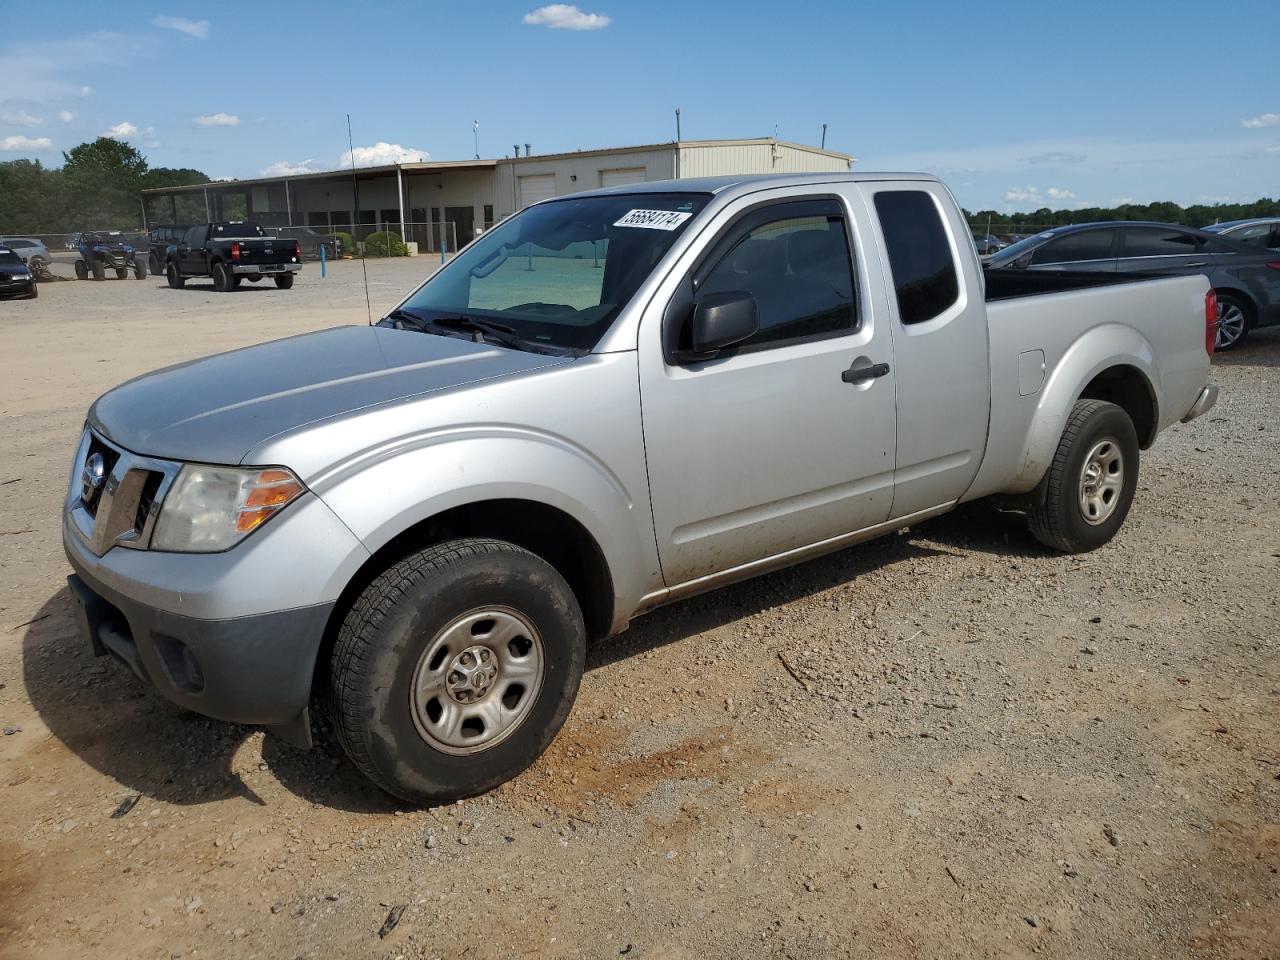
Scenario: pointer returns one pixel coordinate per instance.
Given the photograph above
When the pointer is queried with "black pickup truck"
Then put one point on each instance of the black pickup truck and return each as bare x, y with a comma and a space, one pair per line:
231, 251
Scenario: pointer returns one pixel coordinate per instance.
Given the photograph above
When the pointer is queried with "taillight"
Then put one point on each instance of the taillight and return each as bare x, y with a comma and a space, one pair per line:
297, 250
235, 251
1274, 265
1210, 321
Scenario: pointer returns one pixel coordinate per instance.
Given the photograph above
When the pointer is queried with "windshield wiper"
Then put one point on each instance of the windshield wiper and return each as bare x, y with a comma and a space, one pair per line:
480, 329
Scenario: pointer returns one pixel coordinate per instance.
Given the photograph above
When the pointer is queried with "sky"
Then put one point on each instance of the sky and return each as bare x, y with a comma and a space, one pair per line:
1015, 106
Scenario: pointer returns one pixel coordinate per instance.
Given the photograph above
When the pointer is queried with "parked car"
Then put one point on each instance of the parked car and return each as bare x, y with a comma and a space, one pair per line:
230, 251
103, 250
988, 244
1263, 231
16, 280
310, 242
159, 240
429, 517
1245, 277
27, 247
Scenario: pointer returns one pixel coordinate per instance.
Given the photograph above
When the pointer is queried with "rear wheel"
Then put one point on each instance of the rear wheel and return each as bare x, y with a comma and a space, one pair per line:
121, 272
454, 670
284, 281
176, 280
140, 270
1234, 316
153, 263
99, 270
82, 270
222, 278
1086, 493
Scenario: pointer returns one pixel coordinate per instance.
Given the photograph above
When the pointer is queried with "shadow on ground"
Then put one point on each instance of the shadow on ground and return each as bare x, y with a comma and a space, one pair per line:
111, 721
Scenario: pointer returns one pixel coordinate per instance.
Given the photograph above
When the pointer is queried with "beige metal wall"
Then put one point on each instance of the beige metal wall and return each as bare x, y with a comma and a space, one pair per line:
576, 172
720, 159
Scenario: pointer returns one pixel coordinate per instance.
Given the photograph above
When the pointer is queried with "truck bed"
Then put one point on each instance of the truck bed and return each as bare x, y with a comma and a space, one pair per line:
1008, 284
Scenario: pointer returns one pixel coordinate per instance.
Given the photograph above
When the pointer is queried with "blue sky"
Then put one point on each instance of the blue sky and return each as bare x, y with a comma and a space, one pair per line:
1016, 106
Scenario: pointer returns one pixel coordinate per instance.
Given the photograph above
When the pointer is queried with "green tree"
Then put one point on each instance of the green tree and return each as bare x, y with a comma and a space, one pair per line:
32, 197
103, 179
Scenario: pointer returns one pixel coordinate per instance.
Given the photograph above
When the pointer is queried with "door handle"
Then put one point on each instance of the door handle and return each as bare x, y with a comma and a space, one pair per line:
860, 372
1200, 263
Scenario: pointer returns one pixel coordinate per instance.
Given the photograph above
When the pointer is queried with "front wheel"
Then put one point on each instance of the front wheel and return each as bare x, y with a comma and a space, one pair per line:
153, 263
121, 272
176, 280
99, 270
82, 270
140, 270
455, 669
1086, 493
1233, 322
285, 281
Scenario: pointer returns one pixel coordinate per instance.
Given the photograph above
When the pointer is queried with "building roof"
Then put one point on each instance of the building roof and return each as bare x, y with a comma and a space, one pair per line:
444, 165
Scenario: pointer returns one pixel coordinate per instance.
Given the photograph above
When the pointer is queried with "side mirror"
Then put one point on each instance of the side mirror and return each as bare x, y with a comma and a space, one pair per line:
721, 320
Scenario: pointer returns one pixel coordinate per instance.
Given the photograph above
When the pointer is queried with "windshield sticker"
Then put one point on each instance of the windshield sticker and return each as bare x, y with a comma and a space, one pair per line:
653, 219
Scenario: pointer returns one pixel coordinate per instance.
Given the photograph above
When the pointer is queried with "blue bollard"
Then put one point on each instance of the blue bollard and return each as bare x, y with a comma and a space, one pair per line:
322, 261
442, 249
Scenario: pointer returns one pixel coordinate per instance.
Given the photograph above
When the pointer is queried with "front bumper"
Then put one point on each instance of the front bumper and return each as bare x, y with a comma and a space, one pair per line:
16, 288
255, 669
1204, 402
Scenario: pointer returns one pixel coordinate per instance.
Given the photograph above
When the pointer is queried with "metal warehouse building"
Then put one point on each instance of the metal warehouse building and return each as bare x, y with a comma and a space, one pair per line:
448, 203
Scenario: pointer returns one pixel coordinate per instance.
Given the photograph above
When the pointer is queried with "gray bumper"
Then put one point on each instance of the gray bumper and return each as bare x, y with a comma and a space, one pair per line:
266, 269
1204, 403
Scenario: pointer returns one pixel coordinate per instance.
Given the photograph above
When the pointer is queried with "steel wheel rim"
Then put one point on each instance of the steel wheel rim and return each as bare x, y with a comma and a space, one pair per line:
1101, 482
477, 680
1230, 324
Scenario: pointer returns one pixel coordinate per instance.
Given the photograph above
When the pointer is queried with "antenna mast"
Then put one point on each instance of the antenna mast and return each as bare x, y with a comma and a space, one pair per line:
355, 227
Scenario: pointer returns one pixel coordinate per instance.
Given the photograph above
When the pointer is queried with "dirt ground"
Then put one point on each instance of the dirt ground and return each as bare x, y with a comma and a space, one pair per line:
947, 743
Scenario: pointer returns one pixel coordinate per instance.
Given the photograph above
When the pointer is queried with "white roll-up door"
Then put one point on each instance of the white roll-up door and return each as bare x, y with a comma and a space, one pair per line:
537, 187
621, 177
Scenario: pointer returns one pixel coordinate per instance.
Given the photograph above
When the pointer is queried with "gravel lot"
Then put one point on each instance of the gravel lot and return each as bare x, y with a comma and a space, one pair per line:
944, 743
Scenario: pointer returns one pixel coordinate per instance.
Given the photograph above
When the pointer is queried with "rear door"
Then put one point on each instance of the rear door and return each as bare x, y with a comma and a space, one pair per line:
1159, 249
939, 324
770, 446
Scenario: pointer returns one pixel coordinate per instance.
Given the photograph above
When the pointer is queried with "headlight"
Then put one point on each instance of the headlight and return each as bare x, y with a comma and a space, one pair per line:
209, 509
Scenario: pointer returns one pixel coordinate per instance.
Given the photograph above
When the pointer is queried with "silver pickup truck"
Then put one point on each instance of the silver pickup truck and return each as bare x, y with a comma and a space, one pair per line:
611, 401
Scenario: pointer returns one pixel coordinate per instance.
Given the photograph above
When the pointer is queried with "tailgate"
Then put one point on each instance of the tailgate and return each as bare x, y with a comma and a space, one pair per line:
266, 250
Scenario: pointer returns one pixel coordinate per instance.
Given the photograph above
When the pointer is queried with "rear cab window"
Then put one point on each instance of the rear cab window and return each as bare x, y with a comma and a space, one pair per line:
920, 258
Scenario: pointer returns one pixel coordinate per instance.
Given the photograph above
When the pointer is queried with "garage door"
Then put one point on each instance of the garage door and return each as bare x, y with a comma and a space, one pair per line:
535, 188
619, 178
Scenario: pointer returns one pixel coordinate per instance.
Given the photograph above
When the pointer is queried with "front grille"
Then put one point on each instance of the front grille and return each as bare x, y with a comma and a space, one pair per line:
110, 457
121, 511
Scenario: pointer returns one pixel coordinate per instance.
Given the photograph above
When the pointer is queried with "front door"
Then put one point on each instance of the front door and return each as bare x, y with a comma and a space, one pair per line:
774, 444
464, 223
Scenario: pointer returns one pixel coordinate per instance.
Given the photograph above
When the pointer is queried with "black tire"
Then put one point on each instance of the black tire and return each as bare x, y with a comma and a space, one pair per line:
99, 270
153, 265
140, 270
223, 280
176, 280
285, 281
1058, 518
82, 270
1240, 312
389, 630
35, 292
122, 272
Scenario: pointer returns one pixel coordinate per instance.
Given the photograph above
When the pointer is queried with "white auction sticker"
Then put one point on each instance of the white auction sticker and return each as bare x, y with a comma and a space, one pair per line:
653, 219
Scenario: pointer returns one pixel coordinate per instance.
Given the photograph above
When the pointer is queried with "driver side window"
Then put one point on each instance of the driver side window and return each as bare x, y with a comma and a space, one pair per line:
794, 259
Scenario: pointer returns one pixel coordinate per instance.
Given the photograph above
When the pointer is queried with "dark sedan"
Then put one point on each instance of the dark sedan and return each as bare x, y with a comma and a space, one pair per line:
15, 278
1246, 277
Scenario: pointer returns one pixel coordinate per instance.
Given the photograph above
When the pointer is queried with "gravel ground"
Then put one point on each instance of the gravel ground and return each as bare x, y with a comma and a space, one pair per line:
945, 743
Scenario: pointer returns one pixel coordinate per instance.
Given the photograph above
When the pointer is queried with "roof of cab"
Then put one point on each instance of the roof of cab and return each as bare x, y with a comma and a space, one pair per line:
747, 183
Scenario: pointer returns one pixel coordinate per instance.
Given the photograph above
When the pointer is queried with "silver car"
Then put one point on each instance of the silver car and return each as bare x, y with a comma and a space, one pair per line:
1262, 232
27, 247
1245, 278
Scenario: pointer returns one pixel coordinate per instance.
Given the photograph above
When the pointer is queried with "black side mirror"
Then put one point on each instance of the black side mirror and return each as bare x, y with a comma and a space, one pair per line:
721, 320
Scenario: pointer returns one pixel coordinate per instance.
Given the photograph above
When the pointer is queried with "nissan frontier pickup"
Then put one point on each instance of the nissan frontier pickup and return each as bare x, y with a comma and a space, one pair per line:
611, 401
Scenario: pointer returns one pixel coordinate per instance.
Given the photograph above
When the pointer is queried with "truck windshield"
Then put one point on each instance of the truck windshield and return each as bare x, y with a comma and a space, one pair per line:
560, 272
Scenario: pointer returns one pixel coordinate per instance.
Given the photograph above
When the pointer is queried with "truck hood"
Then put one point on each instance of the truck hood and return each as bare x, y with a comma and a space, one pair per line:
217, 409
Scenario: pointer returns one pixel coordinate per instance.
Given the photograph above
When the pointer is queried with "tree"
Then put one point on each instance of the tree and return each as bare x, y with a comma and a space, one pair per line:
103, 179
185, 208
32, 197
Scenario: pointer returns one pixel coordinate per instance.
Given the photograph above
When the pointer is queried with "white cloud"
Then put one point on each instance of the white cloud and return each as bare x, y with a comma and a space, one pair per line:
193, 28
1058, 157
121, 130
25, 143
86, 91
1055, 194
217, 120
66, 116
283, 168
1023, 195
1122, 201
382, 153
565, 16
20, 118
1262, 120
